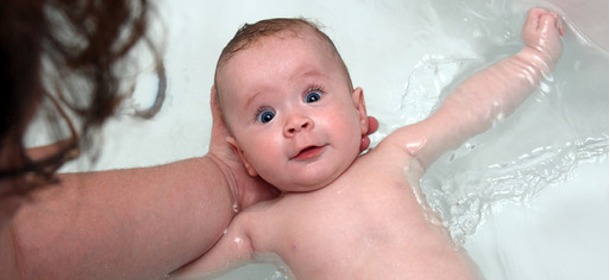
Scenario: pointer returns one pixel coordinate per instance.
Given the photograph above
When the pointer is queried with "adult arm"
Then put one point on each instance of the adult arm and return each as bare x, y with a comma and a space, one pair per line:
128, 224
124, 224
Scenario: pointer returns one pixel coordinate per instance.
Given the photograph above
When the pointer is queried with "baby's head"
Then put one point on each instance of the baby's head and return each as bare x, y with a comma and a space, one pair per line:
288, 101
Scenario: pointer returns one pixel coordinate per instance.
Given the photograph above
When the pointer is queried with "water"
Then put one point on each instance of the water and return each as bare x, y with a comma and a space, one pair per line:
562, 125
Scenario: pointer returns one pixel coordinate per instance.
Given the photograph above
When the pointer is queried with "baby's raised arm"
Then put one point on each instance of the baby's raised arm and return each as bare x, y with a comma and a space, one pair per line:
489, 95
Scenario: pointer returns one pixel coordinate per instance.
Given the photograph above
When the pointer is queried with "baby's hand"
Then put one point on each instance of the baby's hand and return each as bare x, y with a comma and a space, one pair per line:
542, 33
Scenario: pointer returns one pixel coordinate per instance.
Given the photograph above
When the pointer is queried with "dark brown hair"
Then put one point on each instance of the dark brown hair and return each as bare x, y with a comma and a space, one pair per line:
61, 59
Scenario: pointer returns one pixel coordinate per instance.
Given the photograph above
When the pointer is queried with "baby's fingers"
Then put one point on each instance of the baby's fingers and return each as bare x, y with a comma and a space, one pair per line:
533, 19
541, 20
542, 32
550, 22
559, 25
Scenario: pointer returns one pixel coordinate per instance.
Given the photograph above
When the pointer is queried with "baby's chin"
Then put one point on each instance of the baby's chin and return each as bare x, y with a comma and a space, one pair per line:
318, 176
312, 184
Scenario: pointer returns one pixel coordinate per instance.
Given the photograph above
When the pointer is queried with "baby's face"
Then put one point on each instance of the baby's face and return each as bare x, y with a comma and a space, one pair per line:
296, 122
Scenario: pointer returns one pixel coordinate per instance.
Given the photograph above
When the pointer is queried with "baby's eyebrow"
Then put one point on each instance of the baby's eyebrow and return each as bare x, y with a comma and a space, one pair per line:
306, 73
310, 72
252, 98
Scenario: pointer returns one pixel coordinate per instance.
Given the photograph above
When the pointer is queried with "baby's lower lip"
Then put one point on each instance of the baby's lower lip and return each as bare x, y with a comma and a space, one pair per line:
309, 153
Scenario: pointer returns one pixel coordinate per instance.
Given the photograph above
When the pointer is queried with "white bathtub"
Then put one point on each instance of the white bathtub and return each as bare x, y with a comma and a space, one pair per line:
559, 233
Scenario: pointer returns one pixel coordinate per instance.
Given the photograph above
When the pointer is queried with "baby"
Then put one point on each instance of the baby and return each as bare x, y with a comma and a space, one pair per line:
296, 121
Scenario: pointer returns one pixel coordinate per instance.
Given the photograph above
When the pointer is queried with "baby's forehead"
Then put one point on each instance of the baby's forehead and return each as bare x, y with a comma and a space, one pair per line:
273, 58
308, 38
306, 48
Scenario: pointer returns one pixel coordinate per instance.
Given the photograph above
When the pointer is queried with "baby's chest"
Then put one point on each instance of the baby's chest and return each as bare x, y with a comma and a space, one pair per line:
346, 219
351, 233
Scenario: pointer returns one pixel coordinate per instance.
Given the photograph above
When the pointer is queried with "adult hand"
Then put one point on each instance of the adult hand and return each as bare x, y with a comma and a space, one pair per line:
373, 125
246, 188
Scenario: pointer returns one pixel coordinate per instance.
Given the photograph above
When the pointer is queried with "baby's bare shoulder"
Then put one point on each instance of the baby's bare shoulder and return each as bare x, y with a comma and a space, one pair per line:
389, 161
401, 145
421, 142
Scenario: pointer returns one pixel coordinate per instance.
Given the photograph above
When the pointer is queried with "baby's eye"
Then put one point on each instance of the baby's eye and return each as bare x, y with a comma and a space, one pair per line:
265, 115
313, 96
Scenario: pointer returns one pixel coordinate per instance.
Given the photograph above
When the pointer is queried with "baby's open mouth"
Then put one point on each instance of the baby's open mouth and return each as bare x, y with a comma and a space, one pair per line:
309, 152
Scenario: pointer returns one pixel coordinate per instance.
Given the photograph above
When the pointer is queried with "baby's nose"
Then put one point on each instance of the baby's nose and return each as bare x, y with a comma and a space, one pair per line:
296, 124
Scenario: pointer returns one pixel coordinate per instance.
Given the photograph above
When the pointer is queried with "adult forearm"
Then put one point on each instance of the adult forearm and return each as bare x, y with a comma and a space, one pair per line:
123, 224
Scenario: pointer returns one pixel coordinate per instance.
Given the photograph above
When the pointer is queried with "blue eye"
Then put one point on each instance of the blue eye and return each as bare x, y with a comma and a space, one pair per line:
313, 96
265, 115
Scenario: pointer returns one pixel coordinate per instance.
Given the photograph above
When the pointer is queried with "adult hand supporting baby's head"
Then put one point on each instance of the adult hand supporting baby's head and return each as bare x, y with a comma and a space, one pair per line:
246, 189
249, 190
373, 125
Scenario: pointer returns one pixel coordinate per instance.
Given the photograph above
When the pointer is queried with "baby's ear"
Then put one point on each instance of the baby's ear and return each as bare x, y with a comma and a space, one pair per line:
358, 99
233, 143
